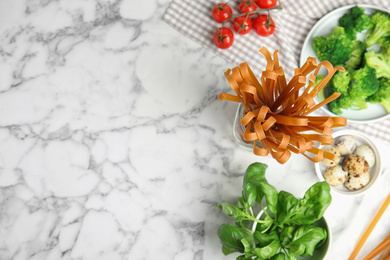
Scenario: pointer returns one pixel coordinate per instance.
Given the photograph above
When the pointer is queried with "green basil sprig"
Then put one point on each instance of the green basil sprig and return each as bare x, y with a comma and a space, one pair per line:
286, 229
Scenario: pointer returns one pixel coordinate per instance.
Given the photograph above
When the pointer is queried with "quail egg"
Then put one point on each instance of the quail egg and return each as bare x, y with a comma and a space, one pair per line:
367, 153
336, 159
335, 175
345, 144
355, 164
357, 181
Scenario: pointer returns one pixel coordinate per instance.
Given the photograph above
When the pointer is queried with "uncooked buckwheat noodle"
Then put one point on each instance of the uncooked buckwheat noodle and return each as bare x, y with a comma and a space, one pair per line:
276, 115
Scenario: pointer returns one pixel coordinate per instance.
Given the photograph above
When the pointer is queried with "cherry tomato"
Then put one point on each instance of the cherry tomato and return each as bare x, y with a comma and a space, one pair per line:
221, 12
247, 6
265, 4
242, 24
263, 25
223, 38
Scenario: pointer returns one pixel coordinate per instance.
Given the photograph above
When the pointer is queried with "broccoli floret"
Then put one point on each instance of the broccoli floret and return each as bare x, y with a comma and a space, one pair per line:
384, 41
379, 62
382, 96
336, 47
345, 101
385, 51
361, 84
380, 28
340, 81
334, 107
349, 102
365, 83
355, 59
354, 21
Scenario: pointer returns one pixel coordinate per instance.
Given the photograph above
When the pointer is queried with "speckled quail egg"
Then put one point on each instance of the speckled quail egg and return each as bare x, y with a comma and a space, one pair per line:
345, 144
335, 175
357, 181
336, 159
355, 164
367, 153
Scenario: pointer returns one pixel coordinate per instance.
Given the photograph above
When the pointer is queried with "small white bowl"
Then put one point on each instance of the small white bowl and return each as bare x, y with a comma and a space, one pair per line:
375, 171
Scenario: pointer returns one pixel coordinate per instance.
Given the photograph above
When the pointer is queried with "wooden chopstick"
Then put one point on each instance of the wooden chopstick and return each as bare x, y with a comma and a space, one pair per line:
385, 255
369, 229
388, 256
379, 249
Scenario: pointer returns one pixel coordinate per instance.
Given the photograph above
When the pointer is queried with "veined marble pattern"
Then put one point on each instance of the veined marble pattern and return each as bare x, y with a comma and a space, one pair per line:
113, 144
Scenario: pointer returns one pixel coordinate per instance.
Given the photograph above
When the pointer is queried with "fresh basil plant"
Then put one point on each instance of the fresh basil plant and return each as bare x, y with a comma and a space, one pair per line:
286, 229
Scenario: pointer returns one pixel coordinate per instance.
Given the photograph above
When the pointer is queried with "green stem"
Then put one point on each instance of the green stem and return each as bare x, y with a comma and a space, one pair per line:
258, 10
251, 211
264, 210
260, 221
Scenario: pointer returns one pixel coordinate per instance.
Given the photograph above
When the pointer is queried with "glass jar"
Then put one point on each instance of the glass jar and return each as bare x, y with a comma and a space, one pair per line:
238, 129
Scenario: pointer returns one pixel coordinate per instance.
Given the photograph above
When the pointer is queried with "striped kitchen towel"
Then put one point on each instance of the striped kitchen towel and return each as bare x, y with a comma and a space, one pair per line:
294, 21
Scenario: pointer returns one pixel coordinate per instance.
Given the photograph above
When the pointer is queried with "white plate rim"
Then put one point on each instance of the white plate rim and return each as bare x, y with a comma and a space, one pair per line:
302, 58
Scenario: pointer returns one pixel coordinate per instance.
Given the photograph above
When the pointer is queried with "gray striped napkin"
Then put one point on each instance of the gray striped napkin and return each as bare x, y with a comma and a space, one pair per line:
293, 21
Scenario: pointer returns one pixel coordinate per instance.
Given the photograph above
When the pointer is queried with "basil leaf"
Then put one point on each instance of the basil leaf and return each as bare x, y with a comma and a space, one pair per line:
254, 175
230, 237
268, 244
291, 257
314, 203
306, 239
271, 196
241, 203
227, 251
231, 211
288, 205
247, 247
279, 256
249, 193
286, 235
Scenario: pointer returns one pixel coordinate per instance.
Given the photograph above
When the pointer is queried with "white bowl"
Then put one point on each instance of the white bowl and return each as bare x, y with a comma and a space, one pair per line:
374, 112
375, 171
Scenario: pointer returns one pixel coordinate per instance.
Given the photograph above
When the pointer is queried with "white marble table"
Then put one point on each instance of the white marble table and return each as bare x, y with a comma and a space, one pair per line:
113, 144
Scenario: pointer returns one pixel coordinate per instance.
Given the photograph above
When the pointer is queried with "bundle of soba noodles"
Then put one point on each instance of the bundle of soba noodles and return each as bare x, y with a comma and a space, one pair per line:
277, 113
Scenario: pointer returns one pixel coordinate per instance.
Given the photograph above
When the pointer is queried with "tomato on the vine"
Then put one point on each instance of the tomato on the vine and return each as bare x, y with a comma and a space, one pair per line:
247, 6
221, 12
263, 25
242, 24
265, 4
223, 38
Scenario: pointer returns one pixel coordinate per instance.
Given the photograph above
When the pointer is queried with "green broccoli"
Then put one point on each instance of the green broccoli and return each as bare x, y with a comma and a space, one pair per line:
379, 62
365, 83
336, 47
346, 101
385, 51
354, 21
356, 56
382, 96
384, 41
340, 81
360, 84
349, 102
333, 106
380, 28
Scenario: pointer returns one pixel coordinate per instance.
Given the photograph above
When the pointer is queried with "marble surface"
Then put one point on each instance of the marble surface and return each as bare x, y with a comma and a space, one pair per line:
113, 144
